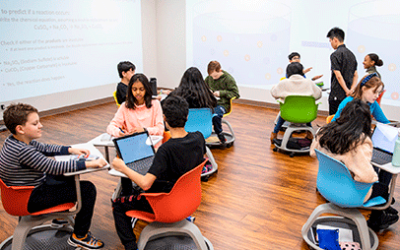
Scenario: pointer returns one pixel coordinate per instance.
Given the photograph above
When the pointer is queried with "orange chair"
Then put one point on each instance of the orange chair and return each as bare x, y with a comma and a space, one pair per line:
166, 136
329, 119
378, 100
115, 98
171, 210
15, 202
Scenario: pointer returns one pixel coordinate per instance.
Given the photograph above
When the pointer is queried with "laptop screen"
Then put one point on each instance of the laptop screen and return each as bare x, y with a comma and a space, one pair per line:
384, 137
134, 147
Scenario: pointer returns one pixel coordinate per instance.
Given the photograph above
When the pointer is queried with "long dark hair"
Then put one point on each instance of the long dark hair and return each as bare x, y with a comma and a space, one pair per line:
130, 102
349, 130
195, 91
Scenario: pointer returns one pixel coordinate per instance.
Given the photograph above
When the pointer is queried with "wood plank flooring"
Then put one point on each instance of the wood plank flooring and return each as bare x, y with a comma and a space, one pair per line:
258, 200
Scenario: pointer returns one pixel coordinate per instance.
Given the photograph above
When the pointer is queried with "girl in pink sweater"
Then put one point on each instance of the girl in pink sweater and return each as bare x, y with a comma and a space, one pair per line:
138, 112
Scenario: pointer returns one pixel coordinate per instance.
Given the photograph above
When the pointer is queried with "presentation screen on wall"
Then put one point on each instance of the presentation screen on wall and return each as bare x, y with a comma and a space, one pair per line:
252, 39
58, 53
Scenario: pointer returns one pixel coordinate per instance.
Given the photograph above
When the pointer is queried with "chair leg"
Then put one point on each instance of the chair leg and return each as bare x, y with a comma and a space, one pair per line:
117, 191
25, 224
156, 230
211, 159
230, 128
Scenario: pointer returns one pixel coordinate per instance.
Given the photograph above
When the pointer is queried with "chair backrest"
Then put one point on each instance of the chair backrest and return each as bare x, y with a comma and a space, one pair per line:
378, 100
115, 98
181, 201
15, 198
299, 109
230, 110
329, 119
336, 184
200, 120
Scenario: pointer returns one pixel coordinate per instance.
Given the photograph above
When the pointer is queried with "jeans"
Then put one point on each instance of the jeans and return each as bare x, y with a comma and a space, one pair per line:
219, 112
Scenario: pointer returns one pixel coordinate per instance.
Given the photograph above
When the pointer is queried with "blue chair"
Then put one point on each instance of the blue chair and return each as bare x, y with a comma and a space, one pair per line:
201, 120
345, 196
297, 110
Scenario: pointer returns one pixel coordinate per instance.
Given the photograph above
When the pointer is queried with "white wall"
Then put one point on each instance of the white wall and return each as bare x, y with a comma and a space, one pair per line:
149, 38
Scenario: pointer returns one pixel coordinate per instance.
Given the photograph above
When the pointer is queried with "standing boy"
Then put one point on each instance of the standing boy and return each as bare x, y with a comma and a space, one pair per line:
24, 162
344, 70
125, 70
180, 154
224, 87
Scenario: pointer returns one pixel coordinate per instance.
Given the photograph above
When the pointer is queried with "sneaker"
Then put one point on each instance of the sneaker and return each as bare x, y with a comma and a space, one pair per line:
87, 242
272, 137
207, 168
133, 221
221, 138
391, 210
383, 221
58, 223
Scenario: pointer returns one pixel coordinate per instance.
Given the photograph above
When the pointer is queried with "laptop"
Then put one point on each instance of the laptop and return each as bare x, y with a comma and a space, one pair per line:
383, 139
136, 151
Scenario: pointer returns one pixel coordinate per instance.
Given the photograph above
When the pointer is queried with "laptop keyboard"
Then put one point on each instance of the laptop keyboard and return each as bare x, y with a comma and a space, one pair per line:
380, 157
141, 166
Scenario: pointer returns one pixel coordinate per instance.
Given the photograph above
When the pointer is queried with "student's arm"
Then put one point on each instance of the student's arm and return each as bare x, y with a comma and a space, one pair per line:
50, 149
341, 107
354, 84
317, 92
231, 89
378, 113
158, 128
145, 182
358, 162
117, 122
208, 81
341, 81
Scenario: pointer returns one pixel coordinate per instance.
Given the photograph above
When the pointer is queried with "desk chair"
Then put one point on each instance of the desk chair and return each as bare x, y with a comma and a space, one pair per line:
345, 196
230, 136
115, 98
201, 120
298, 110
15, 202
171, 210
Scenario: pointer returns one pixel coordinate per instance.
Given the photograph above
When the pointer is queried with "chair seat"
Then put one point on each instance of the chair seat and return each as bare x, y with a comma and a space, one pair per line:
146, 216
58, 208
374, 202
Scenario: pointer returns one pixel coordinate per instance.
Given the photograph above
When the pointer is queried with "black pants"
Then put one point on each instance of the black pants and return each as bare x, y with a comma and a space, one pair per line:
123, 204
58, 190
334, 103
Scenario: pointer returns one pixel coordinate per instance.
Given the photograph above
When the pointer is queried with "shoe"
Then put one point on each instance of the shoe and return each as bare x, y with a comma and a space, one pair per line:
87, 242
391, 210
58, 223
273, 136
207, 168
221, 138
309, 135
133, 221
383, 221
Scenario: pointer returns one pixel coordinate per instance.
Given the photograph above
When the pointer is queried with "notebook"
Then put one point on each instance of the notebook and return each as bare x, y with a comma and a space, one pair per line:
136, 151
383, 139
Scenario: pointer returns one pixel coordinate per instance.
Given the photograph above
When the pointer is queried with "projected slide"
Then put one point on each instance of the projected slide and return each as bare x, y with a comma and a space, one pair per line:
57, 46
252, 39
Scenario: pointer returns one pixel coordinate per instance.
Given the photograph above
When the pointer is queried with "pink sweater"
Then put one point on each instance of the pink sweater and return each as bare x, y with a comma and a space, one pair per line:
358, 161
141, 117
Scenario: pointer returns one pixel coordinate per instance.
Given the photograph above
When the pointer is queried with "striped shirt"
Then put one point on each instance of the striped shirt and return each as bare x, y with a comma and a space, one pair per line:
27, 165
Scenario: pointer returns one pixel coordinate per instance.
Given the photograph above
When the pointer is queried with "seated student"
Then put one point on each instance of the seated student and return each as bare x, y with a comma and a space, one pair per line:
125, 70
370, 62
183, 152
295, 57
139, 112
367, 90
348, 139
295, 84
24, 162
223, 86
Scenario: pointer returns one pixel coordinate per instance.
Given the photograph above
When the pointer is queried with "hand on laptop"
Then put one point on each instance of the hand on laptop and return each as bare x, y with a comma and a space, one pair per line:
119, 165
99, 163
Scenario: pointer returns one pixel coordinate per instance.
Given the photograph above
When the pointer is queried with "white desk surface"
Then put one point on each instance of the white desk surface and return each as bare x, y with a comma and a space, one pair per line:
93, 151
106, 140
388, 167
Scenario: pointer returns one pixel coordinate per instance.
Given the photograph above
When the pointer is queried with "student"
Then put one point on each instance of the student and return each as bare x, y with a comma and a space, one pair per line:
24, 162
183, 152
139, 112
344, 70
367, 90
295, 84
348, 139
223, 86
195, 91
295, 57
370, 62
126, 70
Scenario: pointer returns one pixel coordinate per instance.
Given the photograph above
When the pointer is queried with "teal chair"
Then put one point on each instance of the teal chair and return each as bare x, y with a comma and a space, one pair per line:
297, 110
345, 196
201, 120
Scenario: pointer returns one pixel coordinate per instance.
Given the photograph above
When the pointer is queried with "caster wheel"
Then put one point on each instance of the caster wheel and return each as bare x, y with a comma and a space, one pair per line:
291, 155
205, 178
229, 145
275, 149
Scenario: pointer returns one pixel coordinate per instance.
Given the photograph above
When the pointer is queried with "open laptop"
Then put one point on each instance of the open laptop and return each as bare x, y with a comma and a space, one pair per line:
136, 151
383, 139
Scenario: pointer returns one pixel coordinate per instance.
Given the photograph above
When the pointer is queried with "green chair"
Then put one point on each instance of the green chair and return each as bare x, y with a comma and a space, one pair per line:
297, 110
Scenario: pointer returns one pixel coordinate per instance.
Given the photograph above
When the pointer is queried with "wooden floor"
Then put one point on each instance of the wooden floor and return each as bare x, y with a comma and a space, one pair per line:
259, 199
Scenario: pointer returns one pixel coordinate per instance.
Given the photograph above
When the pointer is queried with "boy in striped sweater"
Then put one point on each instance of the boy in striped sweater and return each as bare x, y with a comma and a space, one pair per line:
24, 162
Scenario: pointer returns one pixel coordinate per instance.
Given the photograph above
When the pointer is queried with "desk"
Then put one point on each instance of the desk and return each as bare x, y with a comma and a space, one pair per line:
388, 167
105, 140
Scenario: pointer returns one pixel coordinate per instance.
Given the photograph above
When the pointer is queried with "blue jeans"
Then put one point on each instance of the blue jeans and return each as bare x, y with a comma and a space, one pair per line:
280, 122
219, 112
